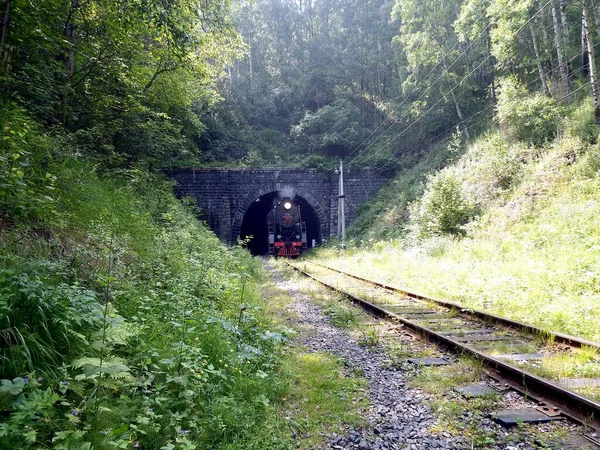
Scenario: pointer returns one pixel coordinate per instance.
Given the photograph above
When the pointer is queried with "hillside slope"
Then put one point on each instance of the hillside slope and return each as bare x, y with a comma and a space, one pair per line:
124, 322
507, 227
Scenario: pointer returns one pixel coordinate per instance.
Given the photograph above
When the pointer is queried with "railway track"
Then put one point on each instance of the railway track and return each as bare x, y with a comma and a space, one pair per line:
517, 355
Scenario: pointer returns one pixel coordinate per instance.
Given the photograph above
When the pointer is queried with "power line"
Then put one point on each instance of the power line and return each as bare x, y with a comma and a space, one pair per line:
571, 75
441, 99
433, 139
431, 108
421, 81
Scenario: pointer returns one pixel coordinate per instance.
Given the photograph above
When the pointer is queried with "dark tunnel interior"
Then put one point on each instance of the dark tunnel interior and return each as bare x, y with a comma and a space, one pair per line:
254, 224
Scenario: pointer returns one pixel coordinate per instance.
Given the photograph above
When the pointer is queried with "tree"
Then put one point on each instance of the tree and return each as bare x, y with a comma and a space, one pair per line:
592, 60
92, 67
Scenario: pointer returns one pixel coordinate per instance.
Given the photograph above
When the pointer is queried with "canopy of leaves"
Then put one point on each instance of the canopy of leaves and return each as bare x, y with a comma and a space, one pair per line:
121, 77
333, 130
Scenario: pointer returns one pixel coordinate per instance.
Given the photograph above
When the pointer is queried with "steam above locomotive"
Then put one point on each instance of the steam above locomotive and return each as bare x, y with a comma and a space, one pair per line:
287, 231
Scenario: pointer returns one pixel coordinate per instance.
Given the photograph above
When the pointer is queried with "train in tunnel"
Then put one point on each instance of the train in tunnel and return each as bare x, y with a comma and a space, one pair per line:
287, 235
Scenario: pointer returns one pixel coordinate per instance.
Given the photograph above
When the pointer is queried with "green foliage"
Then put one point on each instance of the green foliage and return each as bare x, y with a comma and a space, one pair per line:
331, 399
123, 78
579, 123
340, 315
508, 16
140, 325
26, 186
42, 322
443, 208
333, 130
303, 79
385, 216
530, 253
532, 119
369, 338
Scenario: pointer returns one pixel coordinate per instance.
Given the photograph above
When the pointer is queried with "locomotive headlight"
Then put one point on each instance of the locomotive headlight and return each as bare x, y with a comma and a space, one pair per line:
297, 236
278, 236
287, 205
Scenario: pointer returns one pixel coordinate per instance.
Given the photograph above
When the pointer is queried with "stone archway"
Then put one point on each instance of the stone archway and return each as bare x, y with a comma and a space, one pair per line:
243, 207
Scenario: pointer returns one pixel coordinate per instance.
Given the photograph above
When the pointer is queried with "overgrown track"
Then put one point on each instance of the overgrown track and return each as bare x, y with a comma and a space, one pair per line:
518, 354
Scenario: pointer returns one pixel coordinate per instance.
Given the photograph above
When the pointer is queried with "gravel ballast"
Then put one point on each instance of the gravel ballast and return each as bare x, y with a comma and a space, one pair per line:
399, 416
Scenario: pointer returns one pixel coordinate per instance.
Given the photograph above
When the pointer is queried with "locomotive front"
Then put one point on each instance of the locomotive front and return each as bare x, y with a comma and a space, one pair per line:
287, 232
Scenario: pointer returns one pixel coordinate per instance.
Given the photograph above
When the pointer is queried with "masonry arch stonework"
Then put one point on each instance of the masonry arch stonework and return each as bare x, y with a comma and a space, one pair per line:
225, 194
236, 224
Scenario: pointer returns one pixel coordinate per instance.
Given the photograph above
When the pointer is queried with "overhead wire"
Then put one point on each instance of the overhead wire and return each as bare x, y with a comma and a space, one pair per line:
390, 163
421, 81
442, 98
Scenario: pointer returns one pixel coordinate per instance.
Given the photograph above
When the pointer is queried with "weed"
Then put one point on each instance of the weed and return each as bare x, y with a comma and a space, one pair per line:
441, 379
329, 400
369, 337
341, 315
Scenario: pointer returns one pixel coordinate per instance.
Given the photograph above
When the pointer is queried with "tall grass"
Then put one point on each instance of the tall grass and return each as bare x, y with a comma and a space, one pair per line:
124, 322
531, 254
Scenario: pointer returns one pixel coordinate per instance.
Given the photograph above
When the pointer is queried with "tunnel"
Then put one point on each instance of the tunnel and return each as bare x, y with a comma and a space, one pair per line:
254, 223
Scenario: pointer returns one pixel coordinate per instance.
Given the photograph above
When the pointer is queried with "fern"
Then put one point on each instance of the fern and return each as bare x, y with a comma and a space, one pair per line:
111, 366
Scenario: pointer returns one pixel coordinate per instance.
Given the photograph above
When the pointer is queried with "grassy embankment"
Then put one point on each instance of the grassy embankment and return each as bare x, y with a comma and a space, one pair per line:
507, 226
125, 323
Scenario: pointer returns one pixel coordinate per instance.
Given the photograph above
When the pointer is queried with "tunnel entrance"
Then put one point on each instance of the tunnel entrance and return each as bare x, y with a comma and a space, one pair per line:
254, 223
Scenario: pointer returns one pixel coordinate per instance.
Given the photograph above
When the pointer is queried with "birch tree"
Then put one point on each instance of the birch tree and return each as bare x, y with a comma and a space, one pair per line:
559, 43
592, 60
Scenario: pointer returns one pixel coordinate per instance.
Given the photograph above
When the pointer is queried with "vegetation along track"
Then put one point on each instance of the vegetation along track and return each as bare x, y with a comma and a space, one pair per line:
561, 372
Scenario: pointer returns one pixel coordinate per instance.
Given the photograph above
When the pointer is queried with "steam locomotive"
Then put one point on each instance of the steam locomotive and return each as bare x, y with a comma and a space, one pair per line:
287, 232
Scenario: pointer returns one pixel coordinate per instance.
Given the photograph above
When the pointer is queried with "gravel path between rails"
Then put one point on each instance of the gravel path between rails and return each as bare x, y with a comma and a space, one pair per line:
398, 415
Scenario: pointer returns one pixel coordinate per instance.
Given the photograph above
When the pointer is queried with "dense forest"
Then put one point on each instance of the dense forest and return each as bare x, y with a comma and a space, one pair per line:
263, 83
124, 323
376, 82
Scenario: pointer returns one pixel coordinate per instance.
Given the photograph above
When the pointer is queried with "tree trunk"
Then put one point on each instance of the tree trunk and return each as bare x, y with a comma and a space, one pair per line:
592, 61
70, 34
5, 4
538, 60
463, 125
585, 68
67, 57
564, 23
558, 40
546, 39
565, 36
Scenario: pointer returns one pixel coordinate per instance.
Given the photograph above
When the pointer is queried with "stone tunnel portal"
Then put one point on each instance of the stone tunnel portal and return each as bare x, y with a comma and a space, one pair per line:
254, 223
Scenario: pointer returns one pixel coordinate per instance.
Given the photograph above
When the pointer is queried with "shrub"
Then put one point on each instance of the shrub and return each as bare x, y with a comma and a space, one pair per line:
26, 188
580, 122
529, 118
334, 129
443, 208
42, 322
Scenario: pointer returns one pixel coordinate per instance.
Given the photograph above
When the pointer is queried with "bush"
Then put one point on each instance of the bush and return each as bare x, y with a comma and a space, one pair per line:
443, 208
43, 321
580, 122
529, 118
129, 324
26, 187
333, 130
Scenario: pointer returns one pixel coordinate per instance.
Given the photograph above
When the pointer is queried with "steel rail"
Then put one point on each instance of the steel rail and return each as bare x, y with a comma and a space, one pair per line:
557, 337
571, 404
